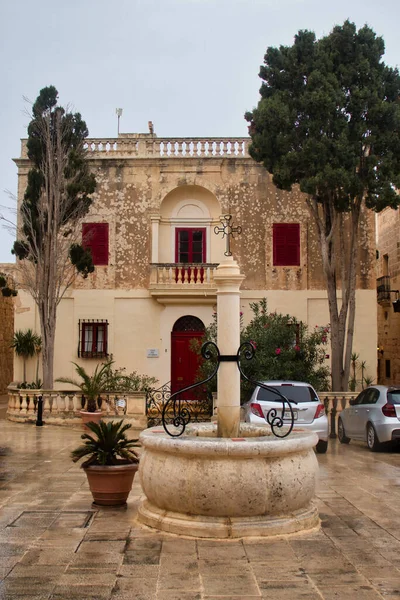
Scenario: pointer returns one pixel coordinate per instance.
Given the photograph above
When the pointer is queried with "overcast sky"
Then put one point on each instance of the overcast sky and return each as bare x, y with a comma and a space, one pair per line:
190, 66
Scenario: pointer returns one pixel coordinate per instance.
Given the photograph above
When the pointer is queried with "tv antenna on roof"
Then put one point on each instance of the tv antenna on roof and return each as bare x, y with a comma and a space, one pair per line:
118, 112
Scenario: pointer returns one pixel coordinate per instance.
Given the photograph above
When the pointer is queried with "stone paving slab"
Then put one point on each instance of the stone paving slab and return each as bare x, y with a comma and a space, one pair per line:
55, 545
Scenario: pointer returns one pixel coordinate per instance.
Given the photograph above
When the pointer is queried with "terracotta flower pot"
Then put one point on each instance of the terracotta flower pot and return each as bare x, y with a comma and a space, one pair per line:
88, 417
110, 485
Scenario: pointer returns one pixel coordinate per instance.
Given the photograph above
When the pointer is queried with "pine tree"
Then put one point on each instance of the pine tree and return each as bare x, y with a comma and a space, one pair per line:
329, 120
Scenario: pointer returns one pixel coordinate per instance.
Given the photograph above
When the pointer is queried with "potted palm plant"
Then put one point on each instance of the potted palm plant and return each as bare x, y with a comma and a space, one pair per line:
91, 386
111, 462
24, 344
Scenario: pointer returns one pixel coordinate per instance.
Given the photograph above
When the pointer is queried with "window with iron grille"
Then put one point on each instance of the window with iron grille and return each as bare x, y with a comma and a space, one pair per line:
286, 244
93, 337
95, 238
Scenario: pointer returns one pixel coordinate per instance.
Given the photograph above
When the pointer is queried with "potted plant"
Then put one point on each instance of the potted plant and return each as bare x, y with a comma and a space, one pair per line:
111, 462
91, 386
24, 344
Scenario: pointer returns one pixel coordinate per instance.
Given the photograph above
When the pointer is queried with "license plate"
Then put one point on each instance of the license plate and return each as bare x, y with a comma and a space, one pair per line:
287, 415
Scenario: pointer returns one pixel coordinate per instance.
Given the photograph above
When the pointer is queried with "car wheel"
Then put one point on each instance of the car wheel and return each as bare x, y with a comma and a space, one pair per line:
321, 447
372, 439
343, 439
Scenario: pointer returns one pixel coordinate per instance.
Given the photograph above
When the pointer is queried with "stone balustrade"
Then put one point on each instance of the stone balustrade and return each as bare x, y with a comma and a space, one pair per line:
171, 147
176, 274
63, 407
334, 403
153, 147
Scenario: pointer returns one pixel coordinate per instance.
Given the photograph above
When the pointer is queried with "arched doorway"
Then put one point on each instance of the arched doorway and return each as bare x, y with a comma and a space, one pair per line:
184, 362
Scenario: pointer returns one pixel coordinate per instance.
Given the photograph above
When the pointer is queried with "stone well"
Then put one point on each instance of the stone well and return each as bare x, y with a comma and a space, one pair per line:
204, 486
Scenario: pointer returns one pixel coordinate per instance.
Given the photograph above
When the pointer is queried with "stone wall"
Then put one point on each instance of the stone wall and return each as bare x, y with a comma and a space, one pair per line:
130, 192
6, 334
146, 189
135, 176
388, 321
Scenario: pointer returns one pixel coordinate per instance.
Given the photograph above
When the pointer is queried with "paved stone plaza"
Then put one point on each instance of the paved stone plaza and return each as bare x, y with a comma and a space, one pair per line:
54, 544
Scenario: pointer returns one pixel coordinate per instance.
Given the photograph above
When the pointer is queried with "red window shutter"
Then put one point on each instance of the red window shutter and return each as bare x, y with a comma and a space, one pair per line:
286, 244
95, 237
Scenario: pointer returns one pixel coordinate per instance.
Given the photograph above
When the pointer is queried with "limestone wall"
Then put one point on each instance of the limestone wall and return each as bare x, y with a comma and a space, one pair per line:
146, 189
130, 192
388, 263
140, 177
6, 334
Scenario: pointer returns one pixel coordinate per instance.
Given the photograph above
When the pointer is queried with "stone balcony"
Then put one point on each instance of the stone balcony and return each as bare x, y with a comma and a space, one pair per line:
172, 283
149, 146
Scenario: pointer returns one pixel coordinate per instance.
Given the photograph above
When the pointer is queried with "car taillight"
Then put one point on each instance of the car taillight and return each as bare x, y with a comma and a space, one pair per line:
256, 409
389, 410
320, 412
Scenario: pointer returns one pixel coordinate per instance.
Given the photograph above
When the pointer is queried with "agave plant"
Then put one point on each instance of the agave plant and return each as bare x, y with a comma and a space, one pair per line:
91, 386
108, 446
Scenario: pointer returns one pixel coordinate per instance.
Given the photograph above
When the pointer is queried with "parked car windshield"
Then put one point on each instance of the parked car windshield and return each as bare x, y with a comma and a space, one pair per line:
394, 396
292, 392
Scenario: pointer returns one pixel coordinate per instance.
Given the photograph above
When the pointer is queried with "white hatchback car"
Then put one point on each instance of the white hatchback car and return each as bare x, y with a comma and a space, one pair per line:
308, 410
373, 417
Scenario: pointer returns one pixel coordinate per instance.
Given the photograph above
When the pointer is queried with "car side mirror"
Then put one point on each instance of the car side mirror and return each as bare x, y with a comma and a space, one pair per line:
352, 401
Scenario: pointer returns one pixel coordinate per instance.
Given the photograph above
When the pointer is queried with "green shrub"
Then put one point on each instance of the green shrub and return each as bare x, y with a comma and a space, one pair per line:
284, 349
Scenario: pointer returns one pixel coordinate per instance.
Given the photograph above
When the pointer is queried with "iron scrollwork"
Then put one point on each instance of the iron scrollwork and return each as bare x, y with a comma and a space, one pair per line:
273, 418
176, 412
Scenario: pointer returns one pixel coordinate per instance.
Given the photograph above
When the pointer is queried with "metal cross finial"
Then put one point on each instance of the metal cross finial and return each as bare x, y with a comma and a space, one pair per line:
227, 231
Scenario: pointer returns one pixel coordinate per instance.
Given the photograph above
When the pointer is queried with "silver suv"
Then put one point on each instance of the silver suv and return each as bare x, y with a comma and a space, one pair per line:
309, 412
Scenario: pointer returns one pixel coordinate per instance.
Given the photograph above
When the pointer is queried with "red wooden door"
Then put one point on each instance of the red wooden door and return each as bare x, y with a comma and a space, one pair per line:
184, 362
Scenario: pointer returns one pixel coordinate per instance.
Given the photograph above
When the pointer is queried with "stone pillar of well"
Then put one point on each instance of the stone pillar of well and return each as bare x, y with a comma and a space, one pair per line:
228, 279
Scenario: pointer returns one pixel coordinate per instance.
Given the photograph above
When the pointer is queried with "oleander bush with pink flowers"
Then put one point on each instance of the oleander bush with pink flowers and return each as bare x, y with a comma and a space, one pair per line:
285, 348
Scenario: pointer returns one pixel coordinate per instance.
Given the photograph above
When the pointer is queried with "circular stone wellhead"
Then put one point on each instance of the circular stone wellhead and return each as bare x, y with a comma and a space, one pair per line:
203, 486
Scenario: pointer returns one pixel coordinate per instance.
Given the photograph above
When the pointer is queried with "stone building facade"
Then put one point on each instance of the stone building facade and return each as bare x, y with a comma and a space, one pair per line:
388, 281
151, 230
6, 335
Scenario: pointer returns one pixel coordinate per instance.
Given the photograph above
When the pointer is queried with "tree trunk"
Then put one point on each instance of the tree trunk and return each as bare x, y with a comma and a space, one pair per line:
351, 289
330, 231
48, 330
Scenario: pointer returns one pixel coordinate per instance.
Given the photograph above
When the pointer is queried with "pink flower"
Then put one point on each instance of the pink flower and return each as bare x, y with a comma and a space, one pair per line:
323, 339
253, 344
278, 351
241, 314
297, 348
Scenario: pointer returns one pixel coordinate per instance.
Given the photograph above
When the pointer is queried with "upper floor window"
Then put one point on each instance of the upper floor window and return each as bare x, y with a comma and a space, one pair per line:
95, 237
286, 244
93, 339
190, 245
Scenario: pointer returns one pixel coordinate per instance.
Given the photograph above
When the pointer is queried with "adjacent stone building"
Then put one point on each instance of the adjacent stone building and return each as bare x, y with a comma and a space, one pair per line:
6, 335
151, 229
388, 286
